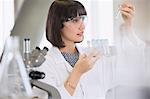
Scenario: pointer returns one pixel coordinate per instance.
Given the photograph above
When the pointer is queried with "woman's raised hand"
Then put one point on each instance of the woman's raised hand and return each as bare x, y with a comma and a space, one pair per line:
127, 10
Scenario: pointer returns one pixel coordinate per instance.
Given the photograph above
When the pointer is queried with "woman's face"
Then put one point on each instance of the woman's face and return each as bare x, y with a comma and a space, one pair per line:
73, 30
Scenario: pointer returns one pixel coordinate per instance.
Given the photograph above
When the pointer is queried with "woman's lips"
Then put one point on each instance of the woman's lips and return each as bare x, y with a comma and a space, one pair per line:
80, 34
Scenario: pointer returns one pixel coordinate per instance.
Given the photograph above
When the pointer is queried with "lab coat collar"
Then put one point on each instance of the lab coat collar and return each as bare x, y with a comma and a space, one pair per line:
59, 59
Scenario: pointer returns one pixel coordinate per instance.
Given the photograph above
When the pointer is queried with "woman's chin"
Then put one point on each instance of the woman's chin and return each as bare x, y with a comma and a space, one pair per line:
79, 41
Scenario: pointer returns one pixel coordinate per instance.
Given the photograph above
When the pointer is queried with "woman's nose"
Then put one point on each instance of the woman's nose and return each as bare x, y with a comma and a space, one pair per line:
82, 26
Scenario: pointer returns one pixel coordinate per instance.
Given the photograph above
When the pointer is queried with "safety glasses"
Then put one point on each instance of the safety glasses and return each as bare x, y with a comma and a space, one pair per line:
78, 19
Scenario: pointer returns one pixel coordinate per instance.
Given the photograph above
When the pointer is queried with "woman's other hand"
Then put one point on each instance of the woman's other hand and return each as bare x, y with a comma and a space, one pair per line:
86, 62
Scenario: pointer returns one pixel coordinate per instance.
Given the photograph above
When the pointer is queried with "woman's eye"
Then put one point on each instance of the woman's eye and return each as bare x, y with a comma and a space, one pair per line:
75, 20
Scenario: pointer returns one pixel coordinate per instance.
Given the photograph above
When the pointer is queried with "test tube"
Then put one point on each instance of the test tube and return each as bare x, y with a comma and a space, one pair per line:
118, 12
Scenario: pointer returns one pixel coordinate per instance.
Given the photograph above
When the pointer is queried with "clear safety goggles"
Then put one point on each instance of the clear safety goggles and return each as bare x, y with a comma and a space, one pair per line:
78, 19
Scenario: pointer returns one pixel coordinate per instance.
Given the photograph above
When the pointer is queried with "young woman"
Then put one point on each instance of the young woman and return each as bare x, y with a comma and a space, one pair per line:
73, 73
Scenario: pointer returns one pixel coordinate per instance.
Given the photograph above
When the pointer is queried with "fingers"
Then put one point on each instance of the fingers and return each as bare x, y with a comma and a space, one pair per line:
128, 4
127, 7
82, 56
86, 62
93, 53
127, 14
93, 56
127, 10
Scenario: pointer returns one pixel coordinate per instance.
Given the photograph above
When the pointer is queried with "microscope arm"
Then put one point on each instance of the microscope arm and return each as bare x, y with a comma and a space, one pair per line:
52, 92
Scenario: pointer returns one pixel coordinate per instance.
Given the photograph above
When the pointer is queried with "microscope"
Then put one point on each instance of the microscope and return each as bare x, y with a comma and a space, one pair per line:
32, 60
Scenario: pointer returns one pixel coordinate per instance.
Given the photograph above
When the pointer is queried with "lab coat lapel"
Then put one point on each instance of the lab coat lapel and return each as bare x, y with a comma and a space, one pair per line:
59, 59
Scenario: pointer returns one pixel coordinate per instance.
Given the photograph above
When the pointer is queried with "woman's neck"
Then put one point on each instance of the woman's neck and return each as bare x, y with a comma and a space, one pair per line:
69, 48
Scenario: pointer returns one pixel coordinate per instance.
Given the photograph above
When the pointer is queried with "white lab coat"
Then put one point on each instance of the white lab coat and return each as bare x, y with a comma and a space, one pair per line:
132, 68
131, 63
92, 85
